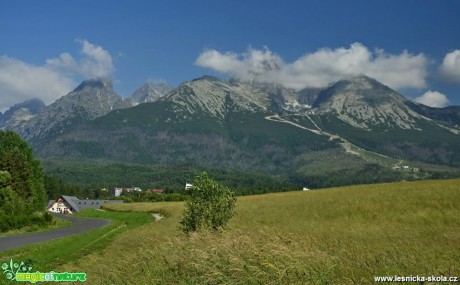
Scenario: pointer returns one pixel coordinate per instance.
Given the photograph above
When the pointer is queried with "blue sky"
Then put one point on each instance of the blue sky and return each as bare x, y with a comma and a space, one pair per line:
48, 47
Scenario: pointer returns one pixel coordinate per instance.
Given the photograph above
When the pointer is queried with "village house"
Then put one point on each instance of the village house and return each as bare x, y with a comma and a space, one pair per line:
156, 191
71, 204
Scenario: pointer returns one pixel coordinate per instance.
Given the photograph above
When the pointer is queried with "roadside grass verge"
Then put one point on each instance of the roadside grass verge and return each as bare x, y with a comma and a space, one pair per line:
55, 224
166, 209
48, 256
343, 235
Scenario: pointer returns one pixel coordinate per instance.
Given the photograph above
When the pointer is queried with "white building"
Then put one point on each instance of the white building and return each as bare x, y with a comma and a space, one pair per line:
71, 204
133, 189
117, 192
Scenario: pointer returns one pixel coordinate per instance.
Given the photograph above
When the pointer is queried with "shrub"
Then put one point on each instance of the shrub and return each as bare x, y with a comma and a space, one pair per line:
210, 207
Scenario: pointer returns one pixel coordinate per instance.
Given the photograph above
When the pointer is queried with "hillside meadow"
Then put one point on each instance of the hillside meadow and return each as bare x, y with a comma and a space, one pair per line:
343, 235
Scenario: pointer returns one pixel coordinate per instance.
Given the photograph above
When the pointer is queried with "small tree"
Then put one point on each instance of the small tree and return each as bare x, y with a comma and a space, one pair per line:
210, 207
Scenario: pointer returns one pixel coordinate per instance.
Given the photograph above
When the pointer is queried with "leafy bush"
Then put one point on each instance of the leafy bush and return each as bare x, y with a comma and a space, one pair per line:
210, 206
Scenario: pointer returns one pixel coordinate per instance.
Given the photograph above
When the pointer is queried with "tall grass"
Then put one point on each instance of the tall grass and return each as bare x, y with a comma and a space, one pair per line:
342, 235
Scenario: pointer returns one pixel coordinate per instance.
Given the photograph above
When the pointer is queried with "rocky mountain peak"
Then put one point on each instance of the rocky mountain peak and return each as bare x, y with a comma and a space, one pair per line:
95, 83
149, 92
362, 82
365, 103
93, 98
34, 105
208, 78
214, 97
21, 113
363, 88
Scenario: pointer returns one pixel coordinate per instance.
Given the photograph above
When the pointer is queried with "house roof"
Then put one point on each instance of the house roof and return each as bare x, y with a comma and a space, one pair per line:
79, 205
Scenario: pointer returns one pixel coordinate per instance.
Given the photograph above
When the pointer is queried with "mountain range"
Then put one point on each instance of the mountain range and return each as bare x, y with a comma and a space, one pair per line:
356, 123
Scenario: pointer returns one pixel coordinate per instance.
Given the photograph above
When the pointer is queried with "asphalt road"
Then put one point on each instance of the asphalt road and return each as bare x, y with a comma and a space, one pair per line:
79, 225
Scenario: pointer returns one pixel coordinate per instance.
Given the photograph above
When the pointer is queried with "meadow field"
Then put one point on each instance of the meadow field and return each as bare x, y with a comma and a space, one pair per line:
343, 235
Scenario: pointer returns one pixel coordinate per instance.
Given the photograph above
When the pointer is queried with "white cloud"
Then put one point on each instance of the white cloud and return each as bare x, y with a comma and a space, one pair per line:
322, 67
450, 68
20, 81
433, 99
250, 64
95, 62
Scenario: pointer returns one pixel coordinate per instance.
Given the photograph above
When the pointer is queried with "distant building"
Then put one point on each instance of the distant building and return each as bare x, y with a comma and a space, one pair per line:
406, 168
158, 191
133, 189
116, 192
71, 204
305, 189
188, 186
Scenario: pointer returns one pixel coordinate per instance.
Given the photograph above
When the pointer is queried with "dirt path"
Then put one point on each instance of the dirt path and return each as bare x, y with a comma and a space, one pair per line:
346, 145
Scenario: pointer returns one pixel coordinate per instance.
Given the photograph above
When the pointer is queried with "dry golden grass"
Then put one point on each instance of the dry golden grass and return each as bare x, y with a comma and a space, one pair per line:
343, 235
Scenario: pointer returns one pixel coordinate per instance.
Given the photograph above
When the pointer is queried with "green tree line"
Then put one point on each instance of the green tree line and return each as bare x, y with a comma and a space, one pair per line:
56, 187
22, 190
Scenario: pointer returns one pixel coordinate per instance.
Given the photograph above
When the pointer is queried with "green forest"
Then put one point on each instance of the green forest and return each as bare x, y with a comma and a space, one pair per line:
86, 178
22, 189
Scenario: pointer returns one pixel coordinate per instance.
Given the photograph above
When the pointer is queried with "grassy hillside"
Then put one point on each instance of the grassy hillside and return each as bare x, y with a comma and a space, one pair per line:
149, 135
440, 147
342, 235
